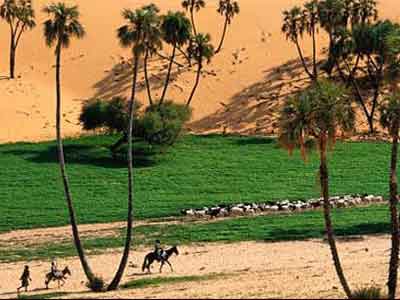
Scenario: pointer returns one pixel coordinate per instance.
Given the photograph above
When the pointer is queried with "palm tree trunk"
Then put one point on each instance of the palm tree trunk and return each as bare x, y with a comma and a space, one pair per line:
303, 61
12, 57
68, 196
315, 72
192, 18
168, 76
124, 261
394, 255
200, 66
324, 181
223, 36
146, 77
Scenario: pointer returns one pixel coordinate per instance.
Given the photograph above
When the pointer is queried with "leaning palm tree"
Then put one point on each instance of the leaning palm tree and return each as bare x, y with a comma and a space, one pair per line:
153, 41
192, 6
294, 26
200, 50
176, 30
228, 9
133, 35
20, 16
390, 119
310, 21
63, 25
316, 115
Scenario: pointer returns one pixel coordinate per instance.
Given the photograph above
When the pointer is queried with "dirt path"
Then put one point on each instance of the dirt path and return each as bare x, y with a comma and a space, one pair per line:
255, 270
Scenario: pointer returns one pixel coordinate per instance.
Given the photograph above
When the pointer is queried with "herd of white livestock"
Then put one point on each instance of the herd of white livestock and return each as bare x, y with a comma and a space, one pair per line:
243, 209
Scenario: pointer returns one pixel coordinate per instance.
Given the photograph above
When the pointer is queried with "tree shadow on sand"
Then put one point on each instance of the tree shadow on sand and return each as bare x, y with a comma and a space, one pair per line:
118, 80
255, 110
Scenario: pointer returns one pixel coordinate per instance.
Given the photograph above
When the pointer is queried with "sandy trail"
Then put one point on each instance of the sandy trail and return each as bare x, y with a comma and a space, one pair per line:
254, 270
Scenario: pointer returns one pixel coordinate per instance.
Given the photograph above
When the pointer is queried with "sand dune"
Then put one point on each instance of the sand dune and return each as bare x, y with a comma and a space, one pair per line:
244, 81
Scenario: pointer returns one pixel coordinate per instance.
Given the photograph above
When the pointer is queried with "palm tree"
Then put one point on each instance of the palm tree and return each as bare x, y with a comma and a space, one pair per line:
294, 27
59, 29
316, 115
133, 35
153, 41
390, 119
20, 16
228, 9
192, 6
200, 49
176, 30
310, 19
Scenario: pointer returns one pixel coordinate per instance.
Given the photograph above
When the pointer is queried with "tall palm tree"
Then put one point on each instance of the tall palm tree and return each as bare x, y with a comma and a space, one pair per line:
153, 41
176, 30
315, 116
229, 9
294, 27
133, 35
390, 119
200, 50
20, 16
310, 19
63, 25
192, 6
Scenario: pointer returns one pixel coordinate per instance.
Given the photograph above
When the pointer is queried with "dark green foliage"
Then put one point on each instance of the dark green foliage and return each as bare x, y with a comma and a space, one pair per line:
371, 293
159, 124
162, 124
109, 115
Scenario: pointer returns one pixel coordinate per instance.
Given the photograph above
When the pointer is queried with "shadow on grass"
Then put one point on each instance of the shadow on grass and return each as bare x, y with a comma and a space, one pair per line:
94, 155
304, 233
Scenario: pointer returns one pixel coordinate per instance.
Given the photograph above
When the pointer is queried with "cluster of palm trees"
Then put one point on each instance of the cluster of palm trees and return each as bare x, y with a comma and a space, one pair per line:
315, 117
356, 54
145, 33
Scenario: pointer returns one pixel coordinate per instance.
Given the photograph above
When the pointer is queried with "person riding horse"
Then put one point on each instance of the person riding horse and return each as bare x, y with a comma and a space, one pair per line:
53, 269
158, 250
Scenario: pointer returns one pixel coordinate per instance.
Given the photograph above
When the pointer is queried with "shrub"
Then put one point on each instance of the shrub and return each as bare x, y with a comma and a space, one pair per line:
112, 115
163, 124
368, 293
97, 285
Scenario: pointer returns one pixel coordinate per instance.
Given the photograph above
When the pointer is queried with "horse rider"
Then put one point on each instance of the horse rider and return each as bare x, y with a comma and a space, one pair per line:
25, 278
54, 269
158, 250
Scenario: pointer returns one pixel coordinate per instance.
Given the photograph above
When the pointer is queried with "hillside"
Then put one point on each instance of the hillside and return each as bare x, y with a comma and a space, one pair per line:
240, 95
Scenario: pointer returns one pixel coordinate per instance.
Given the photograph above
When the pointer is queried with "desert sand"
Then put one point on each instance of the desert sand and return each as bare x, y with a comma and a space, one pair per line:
256, 68
243, 270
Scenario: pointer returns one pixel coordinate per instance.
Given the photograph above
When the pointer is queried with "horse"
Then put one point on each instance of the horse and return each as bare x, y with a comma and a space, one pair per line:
152, 256
59, 276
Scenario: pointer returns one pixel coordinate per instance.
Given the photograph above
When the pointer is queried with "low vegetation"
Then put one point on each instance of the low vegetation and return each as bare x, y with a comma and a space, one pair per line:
199, 171
285, 227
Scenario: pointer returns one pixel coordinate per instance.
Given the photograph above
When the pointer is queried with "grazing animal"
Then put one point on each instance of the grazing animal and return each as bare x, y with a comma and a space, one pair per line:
60, 277
164, 258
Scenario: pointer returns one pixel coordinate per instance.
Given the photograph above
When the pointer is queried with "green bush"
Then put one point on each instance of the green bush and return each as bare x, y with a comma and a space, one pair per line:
372, 293
158, 125
112, 115
163, 124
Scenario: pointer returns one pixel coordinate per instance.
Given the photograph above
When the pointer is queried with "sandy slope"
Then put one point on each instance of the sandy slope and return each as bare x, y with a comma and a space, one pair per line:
254, 270
241, 97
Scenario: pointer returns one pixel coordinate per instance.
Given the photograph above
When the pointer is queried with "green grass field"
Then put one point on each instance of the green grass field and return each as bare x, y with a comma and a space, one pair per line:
198, 171
347, 222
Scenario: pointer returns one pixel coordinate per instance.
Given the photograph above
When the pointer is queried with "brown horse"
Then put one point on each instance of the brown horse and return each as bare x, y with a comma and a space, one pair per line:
59, 276
163, 258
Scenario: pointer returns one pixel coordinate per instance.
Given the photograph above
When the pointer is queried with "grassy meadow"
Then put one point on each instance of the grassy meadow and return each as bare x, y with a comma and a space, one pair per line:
198, 171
